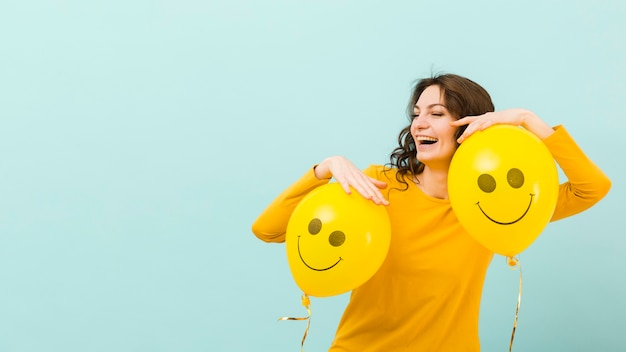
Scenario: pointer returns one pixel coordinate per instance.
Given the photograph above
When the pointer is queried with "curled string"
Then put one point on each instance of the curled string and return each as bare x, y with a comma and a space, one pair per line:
514, 264
306, 302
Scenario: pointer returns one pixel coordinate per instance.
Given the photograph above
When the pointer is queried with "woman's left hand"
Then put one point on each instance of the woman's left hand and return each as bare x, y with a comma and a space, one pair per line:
515, 117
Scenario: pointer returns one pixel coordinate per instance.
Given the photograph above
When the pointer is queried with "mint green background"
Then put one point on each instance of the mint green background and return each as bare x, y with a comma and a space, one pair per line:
140, 139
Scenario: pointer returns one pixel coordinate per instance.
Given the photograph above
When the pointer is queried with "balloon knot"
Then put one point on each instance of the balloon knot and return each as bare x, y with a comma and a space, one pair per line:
305, 300
513, 262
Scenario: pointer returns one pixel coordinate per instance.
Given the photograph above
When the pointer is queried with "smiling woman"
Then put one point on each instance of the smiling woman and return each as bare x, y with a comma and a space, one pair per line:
426, 294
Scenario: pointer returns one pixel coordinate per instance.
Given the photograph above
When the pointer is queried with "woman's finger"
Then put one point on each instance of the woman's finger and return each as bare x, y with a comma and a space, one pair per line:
350, 177
378, 183
369, 189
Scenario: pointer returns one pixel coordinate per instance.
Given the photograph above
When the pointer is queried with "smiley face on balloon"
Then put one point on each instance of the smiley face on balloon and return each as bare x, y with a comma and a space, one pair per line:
503, 186
318, 248
511, 190
335, 241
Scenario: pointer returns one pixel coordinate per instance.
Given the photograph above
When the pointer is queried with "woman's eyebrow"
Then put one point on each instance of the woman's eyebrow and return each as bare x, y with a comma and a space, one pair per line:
430, 106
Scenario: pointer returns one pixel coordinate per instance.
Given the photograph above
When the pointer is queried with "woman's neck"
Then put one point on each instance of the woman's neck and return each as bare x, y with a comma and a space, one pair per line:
433, 183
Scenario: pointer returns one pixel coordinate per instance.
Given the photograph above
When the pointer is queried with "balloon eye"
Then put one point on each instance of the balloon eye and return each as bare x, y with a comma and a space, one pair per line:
337, 238
486, 183
515, 177
315, 226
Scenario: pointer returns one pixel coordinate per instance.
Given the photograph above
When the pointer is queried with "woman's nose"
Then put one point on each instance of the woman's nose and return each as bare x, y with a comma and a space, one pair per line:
420, 122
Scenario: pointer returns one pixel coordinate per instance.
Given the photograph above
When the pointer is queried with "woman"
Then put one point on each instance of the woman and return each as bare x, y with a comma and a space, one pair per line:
426, 295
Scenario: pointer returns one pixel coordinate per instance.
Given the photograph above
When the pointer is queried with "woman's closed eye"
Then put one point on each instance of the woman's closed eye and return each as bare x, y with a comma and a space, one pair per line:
435, 114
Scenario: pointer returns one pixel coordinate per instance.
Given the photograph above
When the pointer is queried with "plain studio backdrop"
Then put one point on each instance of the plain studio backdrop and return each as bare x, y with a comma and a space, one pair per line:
139, 140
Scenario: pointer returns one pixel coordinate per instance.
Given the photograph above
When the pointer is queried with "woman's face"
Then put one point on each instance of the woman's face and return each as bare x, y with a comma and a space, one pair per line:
434, 137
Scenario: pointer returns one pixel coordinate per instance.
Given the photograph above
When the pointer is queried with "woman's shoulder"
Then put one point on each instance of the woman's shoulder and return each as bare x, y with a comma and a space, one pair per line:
382, 172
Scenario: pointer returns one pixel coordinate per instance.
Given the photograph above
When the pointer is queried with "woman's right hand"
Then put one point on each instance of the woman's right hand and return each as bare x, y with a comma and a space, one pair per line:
348, 175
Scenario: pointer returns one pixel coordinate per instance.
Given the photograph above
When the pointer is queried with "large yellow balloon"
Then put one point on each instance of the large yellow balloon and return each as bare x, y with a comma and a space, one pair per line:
336, 241
503, 187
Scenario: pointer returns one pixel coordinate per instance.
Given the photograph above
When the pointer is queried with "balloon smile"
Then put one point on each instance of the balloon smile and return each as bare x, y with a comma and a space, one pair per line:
506, 223
312, 268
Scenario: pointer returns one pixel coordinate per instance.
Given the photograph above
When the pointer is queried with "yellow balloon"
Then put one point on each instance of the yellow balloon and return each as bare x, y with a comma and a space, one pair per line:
336, 241
503, 187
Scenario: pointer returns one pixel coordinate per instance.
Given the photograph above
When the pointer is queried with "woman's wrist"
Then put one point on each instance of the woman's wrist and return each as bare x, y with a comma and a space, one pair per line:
537, 126
322, 171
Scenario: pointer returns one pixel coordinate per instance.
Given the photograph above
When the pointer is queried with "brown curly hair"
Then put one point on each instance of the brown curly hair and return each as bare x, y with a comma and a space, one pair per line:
462, 97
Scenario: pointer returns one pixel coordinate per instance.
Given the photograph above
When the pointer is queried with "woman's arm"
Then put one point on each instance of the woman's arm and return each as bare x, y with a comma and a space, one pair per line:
271, 225
586, 184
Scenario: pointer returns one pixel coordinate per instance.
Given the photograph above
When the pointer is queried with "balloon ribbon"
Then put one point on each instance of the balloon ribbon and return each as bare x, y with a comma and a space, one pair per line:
515, 264
306, 302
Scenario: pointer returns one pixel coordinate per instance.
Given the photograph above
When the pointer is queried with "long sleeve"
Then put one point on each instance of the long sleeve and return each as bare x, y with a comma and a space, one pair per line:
586, 184
271, 225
